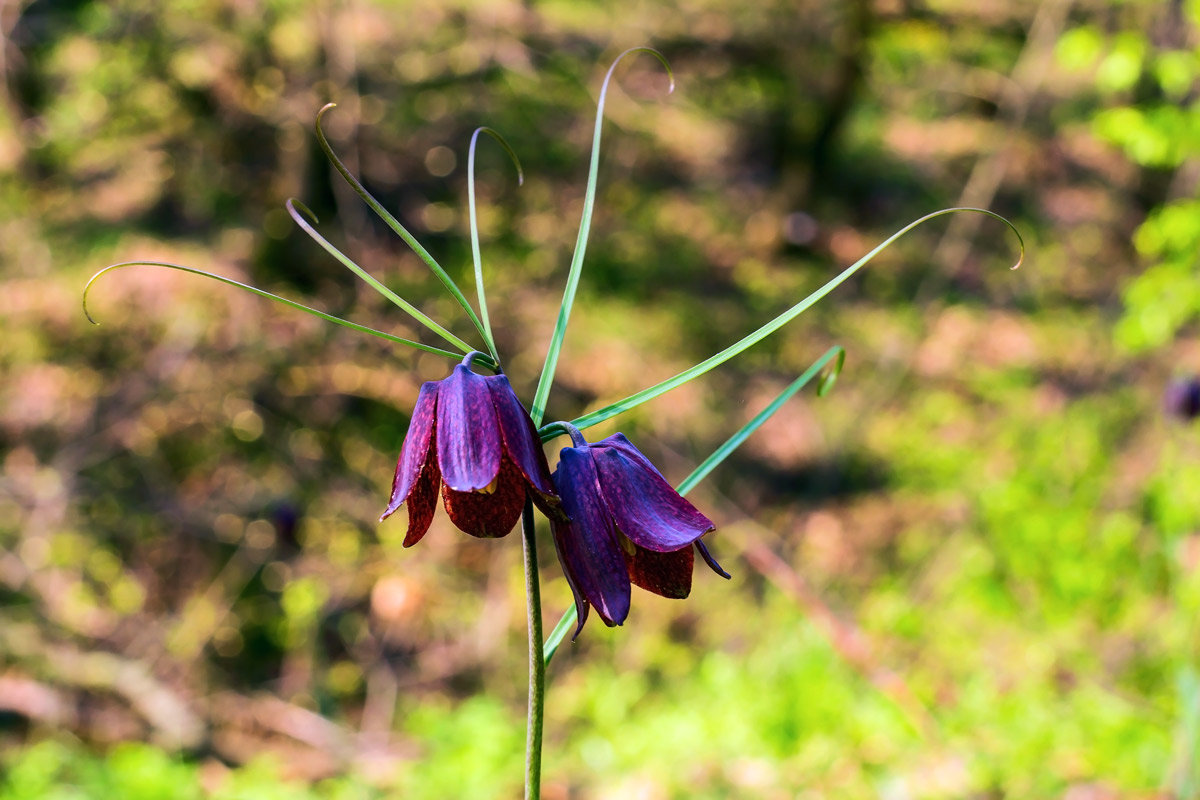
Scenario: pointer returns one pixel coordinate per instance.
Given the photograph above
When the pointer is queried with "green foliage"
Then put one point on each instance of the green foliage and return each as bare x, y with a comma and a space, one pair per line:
1157, 126
987, 542
54, 771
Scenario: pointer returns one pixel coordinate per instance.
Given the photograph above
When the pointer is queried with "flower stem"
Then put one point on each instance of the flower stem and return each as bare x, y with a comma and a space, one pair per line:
537, 664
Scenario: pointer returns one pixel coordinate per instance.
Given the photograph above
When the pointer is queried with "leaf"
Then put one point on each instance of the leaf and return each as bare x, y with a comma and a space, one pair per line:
262, 293
585, 225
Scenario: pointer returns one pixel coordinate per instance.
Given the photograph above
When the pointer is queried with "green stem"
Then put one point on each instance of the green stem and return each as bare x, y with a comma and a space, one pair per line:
537, 664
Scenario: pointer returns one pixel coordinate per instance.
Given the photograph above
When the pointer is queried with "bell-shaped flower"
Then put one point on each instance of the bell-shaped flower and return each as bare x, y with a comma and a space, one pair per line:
626, 525
471, 437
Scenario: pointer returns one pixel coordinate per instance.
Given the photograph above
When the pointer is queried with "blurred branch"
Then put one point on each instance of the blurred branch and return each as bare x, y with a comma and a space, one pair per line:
169, 715
36, 701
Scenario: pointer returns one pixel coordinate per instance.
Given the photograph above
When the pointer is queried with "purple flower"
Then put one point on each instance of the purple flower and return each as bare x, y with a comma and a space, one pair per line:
470, 436
626, 525
1182, 398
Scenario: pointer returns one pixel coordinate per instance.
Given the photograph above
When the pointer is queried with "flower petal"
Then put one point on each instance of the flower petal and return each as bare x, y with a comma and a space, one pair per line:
642, 503
587, 545
712, 562
468, 442
665, 574
581, 603
416, 450
422, 502
488, 514
522, 444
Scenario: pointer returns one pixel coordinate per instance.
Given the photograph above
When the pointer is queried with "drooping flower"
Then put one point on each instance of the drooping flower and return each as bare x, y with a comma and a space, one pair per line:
1182, 398
626, 525
470, 436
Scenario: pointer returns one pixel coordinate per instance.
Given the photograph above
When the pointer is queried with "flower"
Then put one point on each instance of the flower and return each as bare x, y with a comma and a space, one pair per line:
471, 436
1182, 398
626, 525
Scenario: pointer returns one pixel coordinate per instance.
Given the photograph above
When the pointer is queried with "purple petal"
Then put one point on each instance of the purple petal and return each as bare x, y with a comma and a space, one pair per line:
587, 545
522, 444
712, 562
665, 574
642, 503
415, 451
468, 441
618, 442
581, 603
488, 515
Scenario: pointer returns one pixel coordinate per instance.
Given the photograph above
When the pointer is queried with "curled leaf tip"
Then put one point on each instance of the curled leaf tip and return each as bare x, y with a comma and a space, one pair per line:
830, 376
1011, 226
512, 154
322, 112
295, 207
87, 288
1021, 257
650, 51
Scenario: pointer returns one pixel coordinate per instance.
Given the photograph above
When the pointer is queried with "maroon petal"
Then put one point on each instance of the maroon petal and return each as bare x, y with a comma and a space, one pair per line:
587, 545
422, 502
665, 574
417, 448
468, 442
491, 514
522, 444
642, 503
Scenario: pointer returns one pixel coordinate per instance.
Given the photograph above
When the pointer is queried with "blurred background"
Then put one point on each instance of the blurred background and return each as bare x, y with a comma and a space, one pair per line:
973, 570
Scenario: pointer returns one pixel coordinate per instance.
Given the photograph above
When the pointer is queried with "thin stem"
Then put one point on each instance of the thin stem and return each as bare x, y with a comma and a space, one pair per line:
537, 663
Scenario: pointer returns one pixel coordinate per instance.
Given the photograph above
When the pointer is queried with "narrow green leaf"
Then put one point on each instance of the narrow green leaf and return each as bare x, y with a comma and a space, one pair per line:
836, 354
634, 400
299, 211
475, 256
585, 225
394, 224
261, 293
565, 624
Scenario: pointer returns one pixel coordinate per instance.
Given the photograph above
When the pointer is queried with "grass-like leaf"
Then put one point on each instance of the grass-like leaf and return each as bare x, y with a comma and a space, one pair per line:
835, 354
634, 400
721, 453
1184, 779
585, 225
394, 224
566, 624
299, 211
262, 293
476, 259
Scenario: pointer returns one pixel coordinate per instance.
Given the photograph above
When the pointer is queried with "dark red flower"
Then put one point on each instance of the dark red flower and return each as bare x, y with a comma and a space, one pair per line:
470, 436
627, 525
